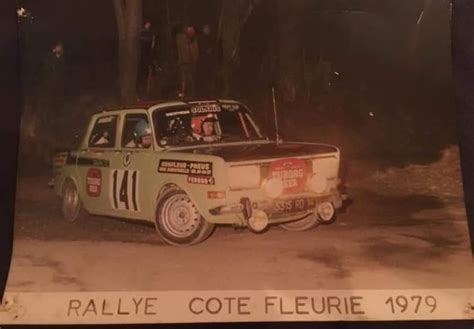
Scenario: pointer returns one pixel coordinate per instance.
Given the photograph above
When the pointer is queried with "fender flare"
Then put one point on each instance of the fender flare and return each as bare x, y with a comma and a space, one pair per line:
74, 180
167, 186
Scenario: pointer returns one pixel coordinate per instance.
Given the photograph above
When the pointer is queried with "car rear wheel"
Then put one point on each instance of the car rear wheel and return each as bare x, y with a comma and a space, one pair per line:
178, 220
305, 224
71, 202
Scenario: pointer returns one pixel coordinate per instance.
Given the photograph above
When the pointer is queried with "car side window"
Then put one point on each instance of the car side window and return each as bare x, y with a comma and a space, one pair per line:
129, 139
254, 131
104, 132
230, 124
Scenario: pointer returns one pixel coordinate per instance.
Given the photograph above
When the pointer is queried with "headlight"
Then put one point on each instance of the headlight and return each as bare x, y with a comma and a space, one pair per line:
327, 166
244, 177
273, 187
318, 183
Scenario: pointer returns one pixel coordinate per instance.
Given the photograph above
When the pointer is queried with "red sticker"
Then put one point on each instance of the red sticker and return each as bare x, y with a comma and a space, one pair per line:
292, 172
94, 182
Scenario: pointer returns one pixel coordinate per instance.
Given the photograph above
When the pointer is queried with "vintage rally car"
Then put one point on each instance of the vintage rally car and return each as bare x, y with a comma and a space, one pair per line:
188, 166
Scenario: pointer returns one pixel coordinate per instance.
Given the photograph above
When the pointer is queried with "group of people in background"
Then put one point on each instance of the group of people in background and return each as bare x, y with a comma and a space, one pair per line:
193, 63
194, 58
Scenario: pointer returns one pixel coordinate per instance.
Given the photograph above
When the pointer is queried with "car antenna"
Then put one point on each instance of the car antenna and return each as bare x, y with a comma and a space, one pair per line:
275, 116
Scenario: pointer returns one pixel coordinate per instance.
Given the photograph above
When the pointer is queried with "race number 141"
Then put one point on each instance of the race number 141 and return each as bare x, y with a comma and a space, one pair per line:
124, 189
416, 304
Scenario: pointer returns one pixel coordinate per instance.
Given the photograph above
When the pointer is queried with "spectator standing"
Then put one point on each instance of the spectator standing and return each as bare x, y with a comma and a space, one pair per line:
188, 55
146, 68
53, 83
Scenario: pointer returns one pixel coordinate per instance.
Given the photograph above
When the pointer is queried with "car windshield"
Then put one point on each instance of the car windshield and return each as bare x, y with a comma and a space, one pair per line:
201, 124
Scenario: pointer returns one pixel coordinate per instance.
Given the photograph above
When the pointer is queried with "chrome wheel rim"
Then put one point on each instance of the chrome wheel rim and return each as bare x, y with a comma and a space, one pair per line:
180, 216
325, 217
71, 203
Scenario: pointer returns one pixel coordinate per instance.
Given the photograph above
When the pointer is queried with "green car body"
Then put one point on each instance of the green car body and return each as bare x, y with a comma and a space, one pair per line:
246, 180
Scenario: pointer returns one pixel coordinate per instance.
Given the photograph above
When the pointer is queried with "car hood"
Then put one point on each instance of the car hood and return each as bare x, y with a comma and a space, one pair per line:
236, 153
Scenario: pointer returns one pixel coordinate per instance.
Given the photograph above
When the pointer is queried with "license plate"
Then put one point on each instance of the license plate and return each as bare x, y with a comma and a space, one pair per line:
293, 205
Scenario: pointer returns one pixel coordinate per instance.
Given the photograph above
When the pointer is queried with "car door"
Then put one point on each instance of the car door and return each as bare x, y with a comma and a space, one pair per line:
93, 163
130, 170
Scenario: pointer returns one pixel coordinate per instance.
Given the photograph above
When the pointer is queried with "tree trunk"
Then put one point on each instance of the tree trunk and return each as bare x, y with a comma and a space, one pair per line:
234, 15
290, 47
128, 15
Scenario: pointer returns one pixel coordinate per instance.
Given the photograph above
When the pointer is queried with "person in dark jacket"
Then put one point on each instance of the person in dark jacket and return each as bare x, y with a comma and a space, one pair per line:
53, 83
146, 63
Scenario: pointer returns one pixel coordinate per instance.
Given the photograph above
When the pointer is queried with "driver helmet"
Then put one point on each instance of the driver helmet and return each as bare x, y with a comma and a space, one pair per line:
198, 122
142, 129
209, 118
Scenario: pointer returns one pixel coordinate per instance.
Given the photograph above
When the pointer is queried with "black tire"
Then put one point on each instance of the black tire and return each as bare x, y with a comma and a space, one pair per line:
178, 221
71, 204
305, 224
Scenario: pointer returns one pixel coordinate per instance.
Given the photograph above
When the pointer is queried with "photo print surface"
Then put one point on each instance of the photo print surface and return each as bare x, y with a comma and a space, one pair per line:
215, 161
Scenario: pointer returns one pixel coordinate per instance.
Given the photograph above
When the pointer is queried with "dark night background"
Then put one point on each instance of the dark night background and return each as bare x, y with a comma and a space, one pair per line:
87, 49
389, 98
391, 92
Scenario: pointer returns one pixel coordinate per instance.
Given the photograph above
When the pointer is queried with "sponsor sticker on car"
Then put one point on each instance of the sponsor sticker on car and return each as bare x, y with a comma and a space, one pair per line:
292, 173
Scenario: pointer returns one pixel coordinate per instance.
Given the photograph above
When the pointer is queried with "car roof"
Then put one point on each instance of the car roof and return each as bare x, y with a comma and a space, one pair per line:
163, 104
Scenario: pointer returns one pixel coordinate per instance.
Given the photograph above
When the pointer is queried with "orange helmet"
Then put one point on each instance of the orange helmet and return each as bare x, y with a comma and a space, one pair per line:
196, 124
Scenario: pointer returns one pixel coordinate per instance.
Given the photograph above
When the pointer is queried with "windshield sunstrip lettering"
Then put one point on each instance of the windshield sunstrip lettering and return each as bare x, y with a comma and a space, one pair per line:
178, 113
230, 107
180, 167
206, 108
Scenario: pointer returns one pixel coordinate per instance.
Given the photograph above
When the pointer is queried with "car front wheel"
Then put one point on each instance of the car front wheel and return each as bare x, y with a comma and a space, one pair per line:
178, 220
71, 202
